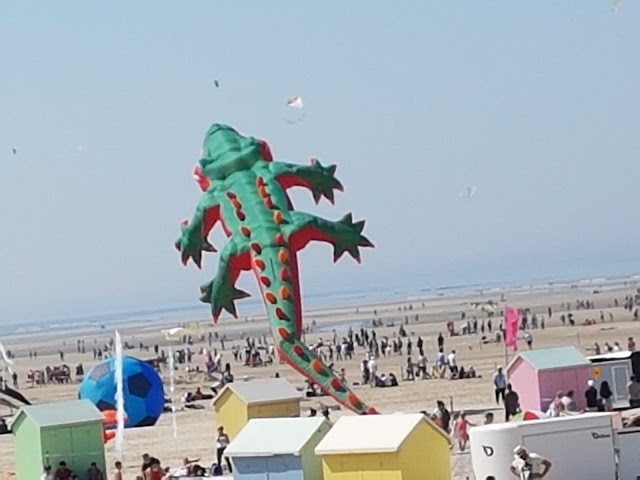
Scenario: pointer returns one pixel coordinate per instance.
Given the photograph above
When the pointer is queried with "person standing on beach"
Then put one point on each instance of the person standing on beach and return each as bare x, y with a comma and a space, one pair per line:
117, 473
634, 392
511, 403
222, 442
528, 466
500, 384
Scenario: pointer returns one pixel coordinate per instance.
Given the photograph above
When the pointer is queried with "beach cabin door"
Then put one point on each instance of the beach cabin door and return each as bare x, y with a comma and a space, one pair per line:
620, 380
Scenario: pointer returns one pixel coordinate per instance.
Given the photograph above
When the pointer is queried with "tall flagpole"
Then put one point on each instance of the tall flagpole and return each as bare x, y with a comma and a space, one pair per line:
119, 367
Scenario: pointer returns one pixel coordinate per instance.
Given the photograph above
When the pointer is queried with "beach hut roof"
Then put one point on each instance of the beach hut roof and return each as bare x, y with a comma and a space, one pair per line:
372, 433
265, 390
256, 439
552, 358
73, 412
622, 355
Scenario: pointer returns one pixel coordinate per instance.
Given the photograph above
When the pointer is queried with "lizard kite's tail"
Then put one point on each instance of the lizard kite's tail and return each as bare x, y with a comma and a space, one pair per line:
272, 270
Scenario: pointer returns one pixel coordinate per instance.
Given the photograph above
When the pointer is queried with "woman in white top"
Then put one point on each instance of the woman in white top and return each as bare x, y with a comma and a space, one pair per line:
222, 442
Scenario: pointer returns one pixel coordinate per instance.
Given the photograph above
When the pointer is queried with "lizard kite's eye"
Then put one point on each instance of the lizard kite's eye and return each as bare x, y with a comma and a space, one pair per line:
265, 151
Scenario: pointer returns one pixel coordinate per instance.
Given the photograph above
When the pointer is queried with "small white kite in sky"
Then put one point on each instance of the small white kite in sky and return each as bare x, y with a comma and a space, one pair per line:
468, 192
297, 103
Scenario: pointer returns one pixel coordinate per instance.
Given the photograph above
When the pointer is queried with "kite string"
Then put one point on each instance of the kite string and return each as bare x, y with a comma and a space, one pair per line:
172, 389
119, 396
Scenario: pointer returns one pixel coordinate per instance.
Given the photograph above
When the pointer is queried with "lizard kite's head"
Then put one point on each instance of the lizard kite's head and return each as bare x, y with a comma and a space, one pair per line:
225, 151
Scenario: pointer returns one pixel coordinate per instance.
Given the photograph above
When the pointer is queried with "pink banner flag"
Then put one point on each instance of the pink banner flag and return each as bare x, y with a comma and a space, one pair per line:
511, 321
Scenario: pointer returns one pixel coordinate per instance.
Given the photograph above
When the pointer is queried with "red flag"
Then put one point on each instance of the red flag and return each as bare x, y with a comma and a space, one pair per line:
511, 321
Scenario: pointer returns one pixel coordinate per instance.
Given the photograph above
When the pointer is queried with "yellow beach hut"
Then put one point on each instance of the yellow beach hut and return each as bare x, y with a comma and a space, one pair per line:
239, 402
385, 447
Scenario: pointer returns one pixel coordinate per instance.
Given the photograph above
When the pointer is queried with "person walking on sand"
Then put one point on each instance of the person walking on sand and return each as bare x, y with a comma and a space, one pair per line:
500, 384
461, 430
527, 466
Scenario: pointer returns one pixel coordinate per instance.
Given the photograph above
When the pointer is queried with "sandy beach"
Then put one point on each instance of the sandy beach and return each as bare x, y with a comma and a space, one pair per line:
427, 317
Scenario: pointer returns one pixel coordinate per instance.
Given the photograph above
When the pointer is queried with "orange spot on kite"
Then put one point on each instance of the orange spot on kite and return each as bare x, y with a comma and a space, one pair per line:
268, 202
255, 246
241, 216
280, 240
271, 298
280, 314
263, 192
285, 276
283, 256
265, 281
318, 367
231, 195
285, 294
236, 203
353, 400
259, 263
284, 334
277, 217
245, 231
336, 384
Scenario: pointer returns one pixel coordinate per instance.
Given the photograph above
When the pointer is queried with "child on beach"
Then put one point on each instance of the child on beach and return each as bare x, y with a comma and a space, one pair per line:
461, 430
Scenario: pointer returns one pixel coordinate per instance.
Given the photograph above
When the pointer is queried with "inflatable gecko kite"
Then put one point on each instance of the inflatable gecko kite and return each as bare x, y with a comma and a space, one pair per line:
245, 191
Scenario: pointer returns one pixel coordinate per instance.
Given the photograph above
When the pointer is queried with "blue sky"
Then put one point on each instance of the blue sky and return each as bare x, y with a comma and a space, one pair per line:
535, 103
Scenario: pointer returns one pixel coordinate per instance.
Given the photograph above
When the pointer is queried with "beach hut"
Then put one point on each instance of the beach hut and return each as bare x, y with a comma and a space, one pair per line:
50, 433
377, 447
537, 375
578, 446
239, 402
281, 448
616, 369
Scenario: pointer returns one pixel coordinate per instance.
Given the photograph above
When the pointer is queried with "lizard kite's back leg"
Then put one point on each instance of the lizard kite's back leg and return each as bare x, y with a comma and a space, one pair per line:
221, 292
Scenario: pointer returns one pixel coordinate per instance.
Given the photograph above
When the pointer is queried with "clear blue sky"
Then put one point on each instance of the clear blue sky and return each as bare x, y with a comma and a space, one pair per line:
535, 103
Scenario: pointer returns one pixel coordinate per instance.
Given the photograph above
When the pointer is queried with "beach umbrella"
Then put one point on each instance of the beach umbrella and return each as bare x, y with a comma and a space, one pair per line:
528, 415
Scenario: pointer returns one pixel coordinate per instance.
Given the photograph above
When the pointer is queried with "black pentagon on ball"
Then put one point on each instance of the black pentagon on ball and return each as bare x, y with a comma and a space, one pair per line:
104, 406
100, 371
138, 385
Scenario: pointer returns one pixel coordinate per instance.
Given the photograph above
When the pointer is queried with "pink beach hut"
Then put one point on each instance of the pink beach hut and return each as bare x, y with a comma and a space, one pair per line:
537, 375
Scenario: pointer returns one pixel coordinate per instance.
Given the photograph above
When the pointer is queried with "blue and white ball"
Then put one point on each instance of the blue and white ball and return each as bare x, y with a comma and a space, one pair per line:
142, 390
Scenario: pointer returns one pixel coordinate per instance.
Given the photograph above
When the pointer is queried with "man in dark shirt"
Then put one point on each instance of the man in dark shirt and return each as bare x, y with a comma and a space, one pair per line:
63, 472
511, 403
591, 394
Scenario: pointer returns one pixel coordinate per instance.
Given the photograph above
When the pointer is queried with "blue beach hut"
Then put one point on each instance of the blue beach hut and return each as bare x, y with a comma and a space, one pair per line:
278, 448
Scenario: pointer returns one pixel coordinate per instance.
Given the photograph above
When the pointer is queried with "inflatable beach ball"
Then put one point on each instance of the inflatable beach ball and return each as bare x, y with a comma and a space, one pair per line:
142, 386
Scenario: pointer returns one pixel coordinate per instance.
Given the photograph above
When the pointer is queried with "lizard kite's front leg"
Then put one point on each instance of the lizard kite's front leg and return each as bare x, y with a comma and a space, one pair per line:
345, 235
193, 240
221, 292
319, 179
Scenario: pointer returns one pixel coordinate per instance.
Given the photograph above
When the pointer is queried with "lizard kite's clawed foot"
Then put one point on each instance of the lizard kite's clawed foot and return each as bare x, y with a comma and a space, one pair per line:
222, 296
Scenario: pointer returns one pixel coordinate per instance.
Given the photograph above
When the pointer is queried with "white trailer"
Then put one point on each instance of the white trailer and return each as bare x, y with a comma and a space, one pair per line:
579, 446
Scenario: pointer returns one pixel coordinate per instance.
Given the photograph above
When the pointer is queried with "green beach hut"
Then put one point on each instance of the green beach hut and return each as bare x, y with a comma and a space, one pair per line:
47, 434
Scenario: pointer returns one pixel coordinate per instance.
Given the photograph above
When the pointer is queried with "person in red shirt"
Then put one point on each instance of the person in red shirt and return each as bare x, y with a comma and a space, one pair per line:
63, 472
